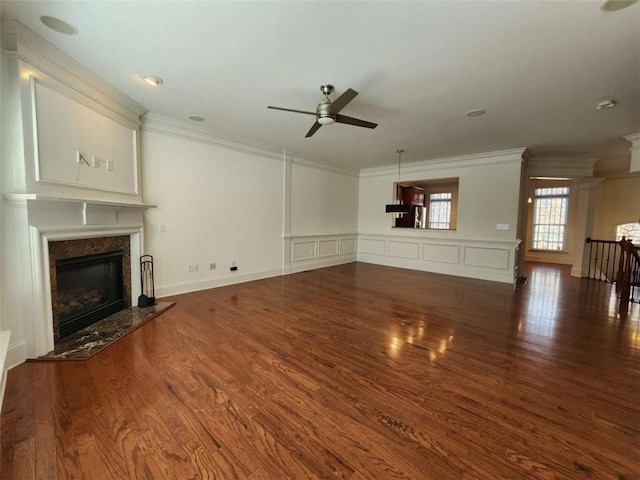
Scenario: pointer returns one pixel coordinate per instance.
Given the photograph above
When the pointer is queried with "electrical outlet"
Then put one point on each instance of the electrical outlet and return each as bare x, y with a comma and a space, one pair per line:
190, 268
162, 228
233, 264
196, 268
502, 226
212, 266
109, 165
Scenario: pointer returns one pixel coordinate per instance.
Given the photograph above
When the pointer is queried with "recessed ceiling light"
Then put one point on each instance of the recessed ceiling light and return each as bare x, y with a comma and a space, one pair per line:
196, 118
604, 104
615, 5
58, 25
151, 80
476, 113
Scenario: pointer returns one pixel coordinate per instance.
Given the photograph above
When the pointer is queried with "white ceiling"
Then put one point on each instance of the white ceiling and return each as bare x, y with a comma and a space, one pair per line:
537, 68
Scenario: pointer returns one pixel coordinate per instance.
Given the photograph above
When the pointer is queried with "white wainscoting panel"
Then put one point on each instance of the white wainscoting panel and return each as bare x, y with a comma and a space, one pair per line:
432, 252
372, 246
487, 257
327, 248
317, 251
303, 250
410, 250
474, 258
348, 246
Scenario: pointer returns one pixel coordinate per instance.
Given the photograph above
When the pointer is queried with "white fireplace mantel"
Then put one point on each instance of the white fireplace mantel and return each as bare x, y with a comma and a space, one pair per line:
37, 219
23, 197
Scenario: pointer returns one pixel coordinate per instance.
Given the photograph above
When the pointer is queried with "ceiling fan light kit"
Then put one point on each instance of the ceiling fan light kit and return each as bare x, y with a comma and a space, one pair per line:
327, 112
326, 120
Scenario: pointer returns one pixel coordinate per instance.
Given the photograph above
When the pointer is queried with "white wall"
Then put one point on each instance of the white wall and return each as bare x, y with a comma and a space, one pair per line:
220, 201
617, 202
321, 216
322, 200
216, 205
489, 191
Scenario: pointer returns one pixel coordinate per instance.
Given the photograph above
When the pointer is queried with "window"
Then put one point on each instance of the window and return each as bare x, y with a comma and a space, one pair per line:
434, 203
550, 218
631, 231
440, 210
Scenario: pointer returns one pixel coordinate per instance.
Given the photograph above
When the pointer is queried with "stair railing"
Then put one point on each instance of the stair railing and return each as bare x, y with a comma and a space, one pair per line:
628, 276
604, 257
617, 263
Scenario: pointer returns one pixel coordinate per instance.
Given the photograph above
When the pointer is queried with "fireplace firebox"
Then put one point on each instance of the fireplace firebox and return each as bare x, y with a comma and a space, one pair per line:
89, 288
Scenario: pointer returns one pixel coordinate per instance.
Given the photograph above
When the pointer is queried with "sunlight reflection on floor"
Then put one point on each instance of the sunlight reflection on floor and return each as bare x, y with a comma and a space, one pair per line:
542, 306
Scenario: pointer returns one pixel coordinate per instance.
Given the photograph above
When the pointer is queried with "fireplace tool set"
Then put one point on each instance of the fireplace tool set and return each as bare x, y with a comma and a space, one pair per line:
147, 297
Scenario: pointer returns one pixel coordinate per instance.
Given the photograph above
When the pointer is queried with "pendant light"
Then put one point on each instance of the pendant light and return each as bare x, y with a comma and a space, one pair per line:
398, 207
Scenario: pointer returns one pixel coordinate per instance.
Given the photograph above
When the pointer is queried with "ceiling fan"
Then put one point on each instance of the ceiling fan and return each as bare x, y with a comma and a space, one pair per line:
327, 112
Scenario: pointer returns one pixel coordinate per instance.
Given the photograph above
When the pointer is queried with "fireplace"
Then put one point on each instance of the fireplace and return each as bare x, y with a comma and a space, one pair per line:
90, 280
89, 288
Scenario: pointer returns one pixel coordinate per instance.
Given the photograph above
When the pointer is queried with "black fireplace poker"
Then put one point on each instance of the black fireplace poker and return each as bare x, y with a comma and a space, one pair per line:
147, 297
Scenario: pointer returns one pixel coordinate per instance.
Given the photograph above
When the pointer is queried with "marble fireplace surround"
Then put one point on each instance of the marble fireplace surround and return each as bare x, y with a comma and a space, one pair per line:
110, 225
69, 249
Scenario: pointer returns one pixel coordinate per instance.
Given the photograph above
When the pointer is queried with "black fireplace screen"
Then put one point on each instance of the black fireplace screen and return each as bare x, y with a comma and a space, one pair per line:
89, 288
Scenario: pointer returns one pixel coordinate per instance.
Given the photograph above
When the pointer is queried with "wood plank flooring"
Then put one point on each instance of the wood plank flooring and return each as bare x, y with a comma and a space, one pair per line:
350, 372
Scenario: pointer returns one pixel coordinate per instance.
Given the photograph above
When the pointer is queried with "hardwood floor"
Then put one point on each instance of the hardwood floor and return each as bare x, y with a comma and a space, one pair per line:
353, 372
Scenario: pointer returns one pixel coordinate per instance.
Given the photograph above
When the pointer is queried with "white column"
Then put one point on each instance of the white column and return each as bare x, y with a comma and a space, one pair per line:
584, 225
635, 151
286, 213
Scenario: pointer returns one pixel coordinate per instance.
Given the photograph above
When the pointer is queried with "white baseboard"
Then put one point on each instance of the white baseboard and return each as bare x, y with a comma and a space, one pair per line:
315, 263
169, 290
16, 354
4, 349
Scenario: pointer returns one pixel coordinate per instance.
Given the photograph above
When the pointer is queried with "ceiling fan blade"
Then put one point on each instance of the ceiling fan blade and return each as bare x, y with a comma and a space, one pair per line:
314, 128
291, 110
342, 101
355, 121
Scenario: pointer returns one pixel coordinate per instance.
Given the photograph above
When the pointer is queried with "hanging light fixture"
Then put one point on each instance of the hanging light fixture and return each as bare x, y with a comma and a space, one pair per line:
398, 207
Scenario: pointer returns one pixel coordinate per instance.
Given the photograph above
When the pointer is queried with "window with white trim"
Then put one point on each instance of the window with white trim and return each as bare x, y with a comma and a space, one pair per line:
440, 210
550, 211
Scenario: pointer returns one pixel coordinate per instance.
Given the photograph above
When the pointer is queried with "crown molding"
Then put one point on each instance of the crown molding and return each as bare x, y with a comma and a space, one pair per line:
18, 40
152, 122
301, 160
514, 155
561, 167
617, 174
634, 138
